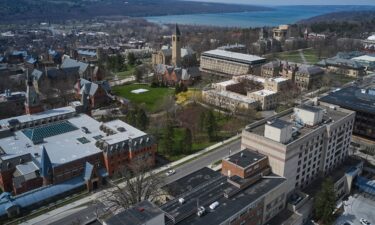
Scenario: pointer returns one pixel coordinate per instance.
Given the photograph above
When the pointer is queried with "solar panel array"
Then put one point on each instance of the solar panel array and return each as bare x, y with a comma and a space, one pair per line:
37, 134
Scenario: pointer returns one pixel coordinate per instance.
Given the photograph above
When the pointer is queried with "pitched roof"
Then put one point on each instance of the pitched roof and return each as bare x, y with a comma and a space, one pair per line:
71, 63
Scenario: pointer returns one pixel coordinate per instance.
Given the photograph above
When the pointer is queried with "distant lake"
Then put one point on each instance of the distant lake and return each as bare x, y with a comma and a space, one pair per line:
280, 15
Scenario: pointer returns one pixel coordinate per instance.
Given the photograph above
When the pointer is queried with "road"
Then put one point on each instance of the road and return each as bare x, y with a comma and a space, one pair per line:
204, 161
74, 212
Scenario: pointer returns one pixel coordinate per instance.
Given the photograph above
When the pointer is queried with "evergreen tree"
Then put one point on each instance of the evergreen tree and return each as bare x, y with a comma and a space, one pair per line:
168, 137
211, 125
187, 141
325, 202
131, 58
142, 119
202, 121
132, 117
138, 74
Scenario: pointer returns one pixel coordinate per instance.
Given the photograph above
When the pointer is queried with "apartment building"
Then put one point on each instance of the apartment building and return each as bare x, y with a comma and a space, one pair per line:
302, 143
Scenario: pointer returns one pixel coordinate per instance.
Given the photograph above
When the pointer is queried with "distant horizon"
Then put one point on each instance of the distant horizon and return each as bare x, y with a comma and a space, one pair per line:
295, 2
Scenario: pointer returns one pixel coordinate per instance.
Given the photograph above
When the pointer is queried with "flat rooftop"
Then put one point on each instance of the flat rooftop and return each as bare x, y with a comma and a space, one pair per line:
245, 158
141, 213
191, 181
264, 92
354, 98
234, 56
330, 116
232, 95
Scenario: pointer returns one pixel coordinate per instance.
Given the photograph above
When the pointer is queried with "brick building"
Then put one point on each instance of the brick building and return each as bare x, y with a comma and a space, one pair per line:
56, 146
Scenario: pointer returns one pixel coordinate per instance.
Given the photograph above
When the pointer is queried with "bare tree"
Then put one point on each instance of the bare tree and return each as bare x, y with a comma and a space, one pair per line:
139, 184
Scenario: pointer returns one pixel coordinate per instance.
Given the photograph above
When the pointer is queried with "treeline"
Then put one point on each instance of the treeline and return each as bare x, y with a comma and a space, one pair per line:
67, 9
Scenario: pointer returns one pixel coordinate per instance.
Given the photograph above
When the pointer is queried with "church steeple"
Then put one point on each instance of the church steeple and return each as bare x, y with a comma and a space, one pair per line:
32, 102
176, 46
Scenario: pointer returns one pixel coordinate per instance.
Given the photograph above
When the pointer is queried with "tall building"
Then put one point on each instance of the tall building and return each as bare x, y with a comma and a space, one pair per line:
302, 143
176, 47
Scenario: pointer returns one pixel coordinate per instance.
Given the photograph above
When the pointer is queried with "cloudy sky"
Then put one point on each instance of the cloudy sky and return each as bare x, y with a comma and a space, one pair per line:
297, 2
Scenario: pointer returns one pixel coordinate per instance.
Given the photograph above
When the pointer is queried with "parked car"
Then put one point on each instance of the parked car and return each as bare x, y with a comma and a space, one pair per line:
170, 172
364, 222
214, 205
181, 200
201, 211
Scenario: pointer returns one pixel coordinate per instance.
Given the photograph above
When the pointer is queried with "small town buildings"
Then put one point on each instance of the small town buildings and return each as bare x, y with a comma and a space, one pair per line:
171, 76
233, 48
12, 103
369, 44
225, 63
96, 93
343, 66
281, 33
368, 61
304, 76
361, 100
265, 44
308, 77
271, 69
175, 55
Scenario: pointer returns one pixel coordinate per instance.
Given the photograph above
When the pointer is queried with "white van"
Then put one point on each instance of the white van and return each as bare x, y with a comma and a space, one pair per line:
181, 200
214, 205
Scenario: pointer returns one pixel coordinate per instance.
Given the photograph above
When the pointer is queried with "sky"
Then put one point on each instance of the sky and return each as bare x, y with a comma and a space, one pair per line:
296, 2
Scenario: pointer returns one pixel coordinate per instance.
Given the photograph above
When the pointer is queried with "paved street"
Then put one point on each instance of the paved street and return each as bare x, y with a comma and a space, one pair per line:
205, 160
74, 212
357, 207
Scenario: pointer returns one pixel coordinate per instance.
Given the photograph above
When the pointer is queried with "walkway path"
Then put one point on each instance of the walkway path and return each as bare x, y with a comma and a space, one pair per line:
302, 56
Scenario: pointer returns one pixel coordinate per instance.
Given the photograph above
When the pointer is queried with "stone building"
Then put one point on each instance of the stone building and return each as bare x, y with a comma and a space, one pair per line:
170, 75
343, 66
225, 63
175, 55
281, 33
308, 77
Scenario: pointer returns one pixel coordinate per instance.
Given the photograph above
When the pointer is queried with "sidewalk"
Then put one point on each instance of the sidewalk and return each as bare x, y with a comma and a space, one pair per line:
98, 194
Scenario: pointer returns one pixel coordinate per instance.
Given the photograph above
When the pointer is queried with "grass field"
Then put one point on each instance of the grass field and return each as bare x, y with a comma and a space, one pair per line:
152, 99
311, 56
127, 73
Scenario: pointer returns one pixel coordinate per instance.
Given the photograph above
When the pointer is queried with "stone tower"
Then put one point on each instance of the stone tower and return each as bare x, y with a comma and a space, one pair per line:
32, 103
176, 47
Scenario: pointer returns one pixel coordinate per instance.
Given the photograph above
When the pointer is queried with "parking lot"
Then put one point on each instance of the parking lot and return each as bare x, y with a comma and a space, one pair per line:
356, 207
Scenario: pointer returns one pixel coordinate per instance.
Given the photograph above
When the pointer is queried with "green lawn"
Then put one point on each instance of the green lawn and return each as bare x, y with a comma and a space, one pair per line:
311, 56
178, 136
127, 73
152, 100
